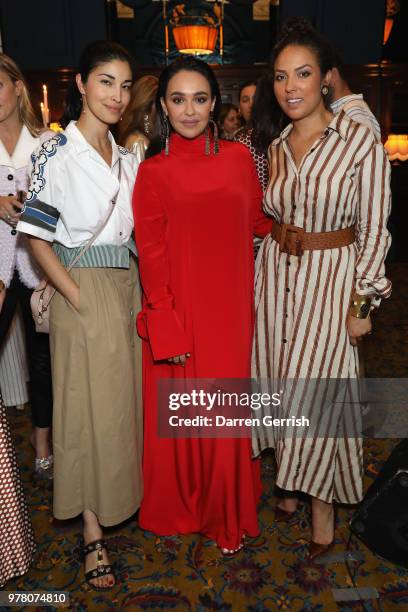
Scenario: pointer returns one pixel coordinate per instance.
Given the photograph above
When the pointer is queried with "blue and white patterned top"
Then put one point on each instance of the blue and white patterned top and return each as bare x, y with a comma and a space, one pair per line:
71, 190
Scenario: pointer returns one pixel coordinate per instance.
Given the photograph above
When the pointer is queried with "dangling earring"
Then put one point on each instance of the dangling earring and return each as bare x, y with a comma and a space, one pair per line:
83, 104
325, 90
207, 140
166, 135
146, 125
215, 136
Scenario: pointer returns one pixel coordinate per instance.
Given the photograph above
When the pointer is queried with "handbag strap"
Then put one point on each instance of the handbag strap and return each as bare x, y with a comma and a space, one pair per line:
101, 227
90, 241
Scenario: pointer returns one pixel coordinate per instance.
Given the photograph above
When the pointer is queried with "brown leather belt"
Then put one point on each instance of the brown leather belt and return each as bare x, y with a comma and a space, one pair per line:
294, 240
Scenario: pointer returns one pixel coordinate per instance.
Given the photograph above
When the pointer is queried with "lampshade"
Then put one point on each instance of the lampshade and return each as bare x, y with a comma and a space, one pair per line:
397, 147
389, 22
195, 39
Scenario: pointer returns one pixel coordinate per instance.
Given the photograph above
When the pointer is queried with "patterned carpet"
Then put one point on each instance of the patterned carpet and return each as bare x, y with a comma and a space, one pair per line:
188, 573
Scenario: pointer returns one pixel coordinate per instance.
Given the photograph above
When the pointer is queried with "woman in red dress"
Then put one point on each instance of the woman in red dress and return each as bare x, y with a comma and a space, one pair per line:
196, 204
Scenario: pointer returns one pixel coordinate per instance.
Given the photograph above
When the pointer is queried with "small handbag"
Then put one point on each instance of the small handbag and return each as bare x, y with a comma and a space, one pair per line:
43, 294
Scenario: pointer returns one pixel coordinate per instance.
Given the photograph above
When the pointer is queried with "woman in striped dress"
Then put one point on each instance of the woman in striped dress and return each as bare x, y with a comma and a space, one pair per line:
319, 272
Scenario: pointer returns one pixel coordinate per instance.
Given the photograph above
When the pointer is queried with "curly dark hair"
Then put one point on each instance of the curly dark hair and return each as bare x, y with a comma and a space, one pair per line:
298, 31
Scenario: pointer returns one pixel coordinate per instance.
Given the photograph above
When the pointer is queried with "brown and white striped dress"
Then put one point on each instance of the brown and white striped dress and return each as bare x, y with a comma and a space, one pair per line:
302, 302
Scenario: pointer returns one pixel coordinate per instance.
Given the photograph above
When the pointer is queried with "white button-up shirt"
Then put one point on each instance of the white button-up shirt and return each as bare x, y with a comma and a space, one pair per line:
71, 191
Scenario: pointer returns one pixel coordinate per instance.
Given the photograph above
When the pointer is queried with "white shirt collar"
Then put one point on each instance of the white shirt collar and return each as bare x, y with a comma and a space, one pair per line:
81, 144
26, 144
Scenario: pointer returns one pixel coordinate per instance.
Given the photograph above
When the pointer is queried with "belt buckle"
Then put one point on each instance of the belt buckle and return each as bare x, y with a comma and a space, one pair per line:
291, 240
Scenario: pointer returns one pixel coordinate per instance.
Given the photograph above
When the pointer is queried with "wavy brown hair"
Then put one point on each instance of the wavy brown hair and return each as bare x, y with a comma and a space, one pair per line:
25, 108
142, 102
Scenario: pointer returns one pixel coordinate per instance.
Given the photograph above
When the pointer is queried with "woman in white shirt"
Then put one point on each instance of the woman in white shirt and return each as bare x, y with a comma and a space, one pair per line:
94, 348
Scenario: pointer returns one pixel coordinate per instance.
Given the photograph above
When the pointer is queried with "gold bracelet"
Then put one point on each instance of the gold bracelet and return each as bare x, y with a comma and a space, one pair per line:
360, 306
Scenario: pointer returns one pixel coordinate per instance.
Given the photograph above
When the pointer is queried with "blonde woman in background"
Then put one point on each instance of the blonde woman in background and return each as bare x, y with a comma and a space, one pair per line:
20, 135
137, 126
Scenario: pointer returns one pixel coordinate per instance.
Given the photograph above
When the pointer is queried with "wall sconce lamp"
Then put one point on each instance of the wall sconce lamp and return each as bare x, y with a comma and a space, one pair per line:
397, 147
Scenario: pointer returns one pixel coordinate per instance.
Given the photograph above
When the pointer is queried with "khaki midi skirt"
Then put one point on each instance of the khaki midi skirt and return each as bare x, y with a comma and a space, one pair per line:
97, 385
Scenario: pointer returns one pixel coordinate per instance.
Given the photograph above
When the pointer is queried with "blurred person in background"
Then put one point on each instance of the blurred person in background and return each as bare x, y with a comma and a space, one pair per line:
263, 127
246, 97
20, 135
13, 366
229, 121
137, 126
354, 105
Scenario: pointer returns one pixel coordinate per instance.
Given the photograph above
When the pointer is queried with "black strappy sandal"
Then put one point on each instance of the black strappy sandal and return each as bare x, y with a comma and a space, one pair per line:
101, 568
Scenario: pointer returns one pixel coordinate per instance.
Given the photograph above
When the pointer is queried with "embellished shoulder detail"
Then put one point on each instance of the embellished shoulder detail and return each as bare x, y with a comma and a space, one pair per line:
48, 149
122, 150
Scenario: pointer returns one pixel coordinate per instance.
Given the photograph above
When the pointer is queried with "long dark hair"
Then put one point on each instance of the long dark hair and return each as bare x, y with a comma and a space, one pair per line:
189, 64
94, 54
298, 31
266, 116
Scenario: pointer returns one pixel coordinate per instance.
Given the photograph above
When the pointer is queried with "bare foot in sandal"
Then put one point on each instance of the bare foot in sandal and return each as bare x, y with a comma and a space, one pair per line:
98, 571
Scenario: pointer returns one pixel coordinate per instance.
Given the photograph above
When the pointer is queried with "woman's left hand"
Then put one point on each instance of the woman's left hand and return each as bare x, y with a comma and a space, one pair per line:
358, 328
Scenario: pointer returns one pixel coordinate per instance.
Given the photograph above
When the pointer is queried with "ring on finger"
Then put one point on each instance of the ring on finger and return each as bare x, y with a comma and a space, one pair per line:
8, 217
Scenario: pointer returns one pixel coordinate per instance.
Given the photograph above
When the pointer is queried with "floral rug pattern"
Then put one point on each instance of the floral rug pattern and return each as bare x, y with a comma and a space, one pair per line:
188, 572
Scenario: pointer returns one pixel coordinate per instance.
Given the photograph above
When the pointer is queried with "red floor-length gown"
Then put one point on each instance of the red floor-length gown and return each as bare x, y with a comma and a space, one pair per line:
195, 215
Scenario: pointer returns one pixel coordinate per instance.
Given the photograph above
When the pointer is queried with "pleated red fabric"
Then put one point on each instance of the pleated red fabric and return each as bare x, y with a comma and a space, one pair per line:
195, 215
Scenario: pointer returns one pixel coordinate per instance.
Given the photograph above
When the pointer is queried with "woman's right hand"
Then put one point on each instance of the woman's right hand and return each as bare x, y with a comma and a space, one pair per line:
179, 359
8, 213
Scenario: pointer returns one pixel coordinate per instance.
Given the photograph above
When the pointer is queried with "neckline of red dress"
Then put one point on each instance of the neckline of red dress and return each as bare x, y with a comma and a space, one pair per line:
179, 144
